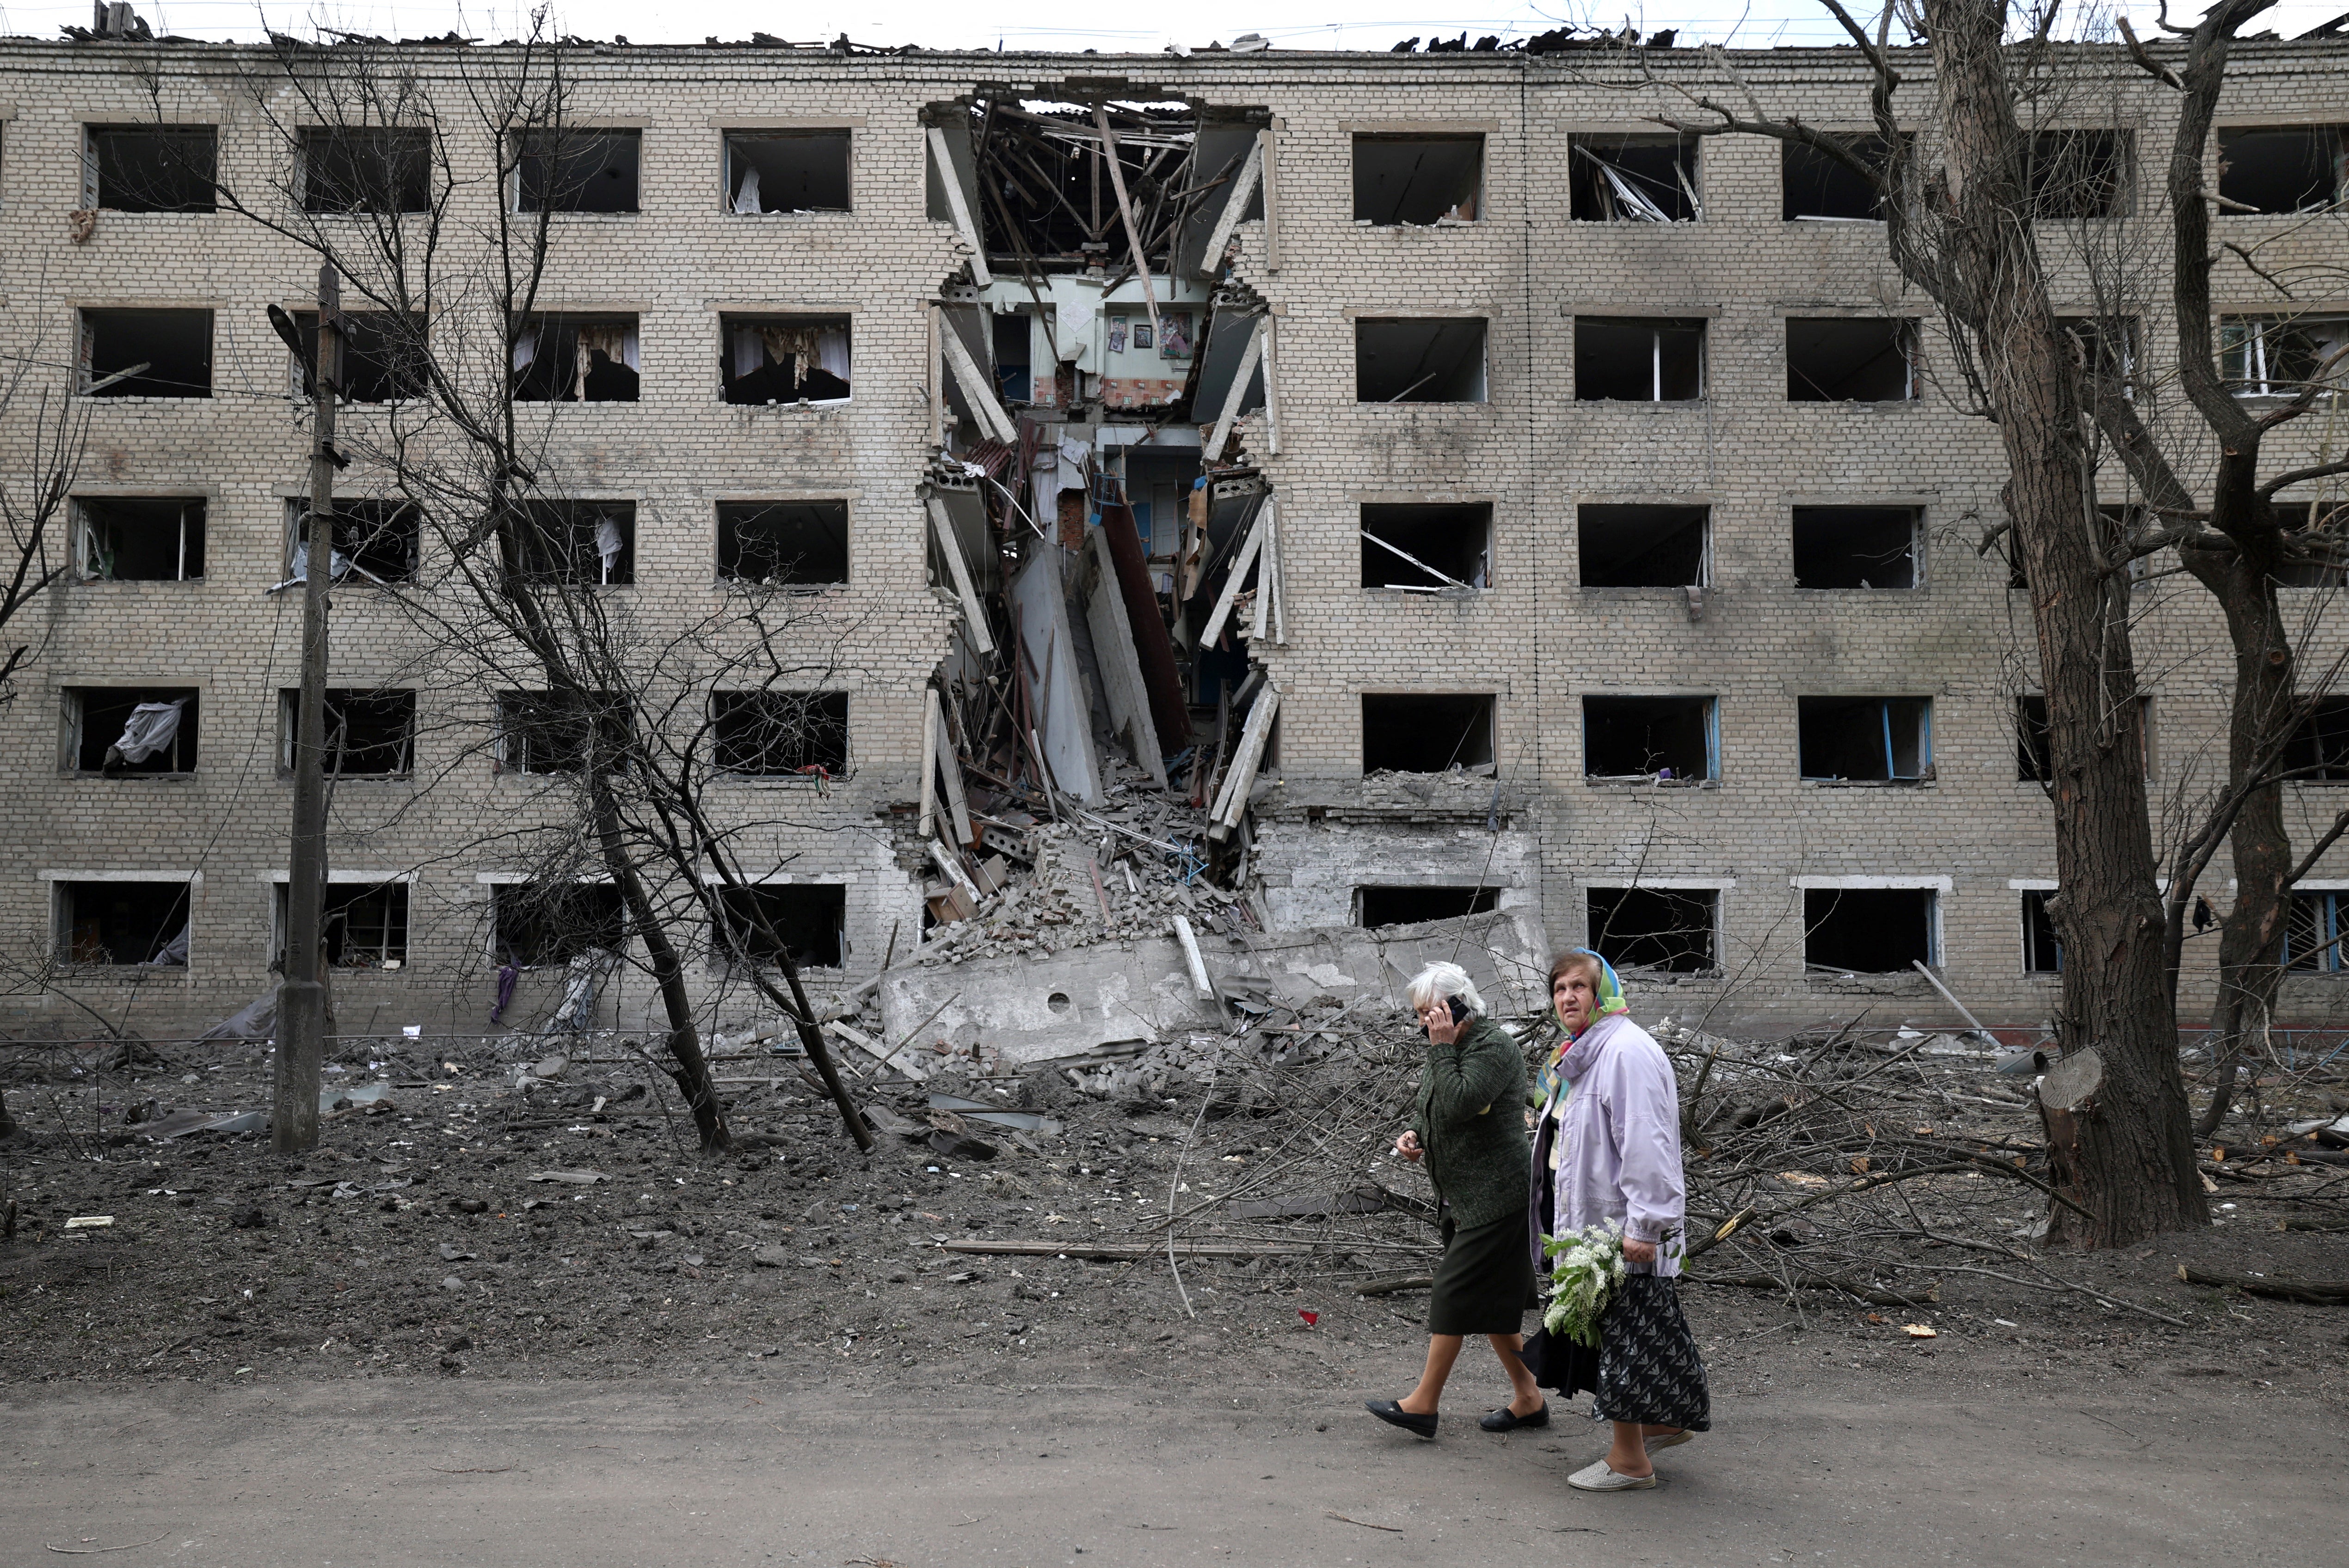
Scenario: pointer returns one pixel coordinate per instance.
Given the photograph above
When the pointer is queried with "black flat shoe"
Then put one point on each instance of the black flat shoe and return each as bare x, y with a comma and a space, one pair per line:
1507, 1421
1391, 1412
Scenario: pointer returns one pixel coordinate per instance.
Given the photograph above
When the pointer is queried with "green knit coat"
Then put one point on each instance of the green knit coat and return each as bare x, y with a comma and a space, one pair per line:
1470, 1119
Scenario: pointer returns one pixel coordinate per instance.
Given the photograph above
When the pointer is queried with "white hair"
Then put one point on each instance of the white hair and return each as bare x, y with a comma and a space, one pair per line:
1437, 981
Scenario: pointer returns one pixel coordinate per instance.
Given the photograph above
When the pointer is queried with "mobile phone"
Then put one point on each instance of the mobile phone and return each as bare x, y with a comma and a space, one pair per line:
1459, 1009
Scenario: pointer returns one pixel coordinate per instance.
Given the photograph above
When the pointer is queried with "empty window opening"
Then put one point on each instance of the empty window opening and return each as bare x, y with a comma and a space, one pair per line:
175, 345
2043, 950
546, 923
1667, 737
1866, 739
2077, 173
1014, 356
783, 543
1439, 360
2282, 356
1427, 548
577, 542
576, 359
373, 540
553, 732
1417, 179
1850, 359
1818, 187
1869, 931
784, 358
122, 923
125, 731
383, 356
2106, 345
1633, 179
2313, 932
1411, 905
1857, 546
140, 539
573, 170
373, 169
771, 734
369, 733
2032, 763
1427, 734
363, 925
1669, 929
787, 171
1638, 359
2318, 535
151, 167
2280, 169
1635, 546
2318, 751
768, 920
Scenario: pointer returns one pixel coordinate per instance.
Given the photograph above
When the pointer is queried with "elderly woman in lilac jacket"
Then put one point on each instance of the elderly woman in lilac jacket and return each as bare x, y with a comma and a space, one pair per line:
1607, 1149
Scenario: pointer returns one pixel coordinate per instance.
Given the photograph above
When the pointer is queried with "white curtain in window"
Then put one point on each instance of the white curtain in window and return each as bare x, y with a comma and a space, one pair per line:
607, 543
525, 348
152, 726
746, 200
831, 350
750, 351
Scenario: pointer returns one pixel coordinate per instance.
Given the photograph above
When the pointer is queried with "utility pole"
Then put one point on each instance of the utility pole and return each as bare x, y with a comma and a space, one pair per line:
302, 995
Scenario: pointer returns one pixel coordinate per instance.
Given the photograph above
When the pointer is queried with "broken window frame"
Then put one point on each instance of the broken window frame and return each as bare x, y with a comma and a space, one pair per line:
1931, 894
814, 742
360, 526
730, 181
2312, 930
2042, 943
1600, 937
64, 893
2256, 353
1474, 202
2046, 204
602, 923
1383, 554
527, 193
2333, 190
571, 361
1597, 705
89, 318
339, 701
1815, 514
785, 575
93, 563
1600, 192
397, 178
1921, 740
1702, 522
534, 738
561, 543
729, 947
1487, 716
1905, 343
200, 168
1658, 329
382, 362
178, 761
1481, 898
389, 924
806, 335
1437, 324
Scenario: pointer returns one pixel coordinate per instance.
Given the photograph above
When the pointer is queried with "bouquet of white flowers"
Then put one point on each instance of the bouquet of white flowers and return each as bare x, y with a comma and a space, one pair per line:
1585, 1267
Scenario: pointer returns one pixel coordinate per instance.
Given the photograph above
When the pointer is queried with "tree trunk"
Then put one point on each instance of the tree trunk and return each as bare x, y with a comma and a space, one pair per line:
2134, 1158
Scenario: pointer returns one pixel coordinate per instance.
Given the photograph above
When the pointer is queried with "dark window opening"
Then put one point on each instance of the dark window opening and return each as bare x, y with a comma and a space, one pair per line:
369, 733
2318, 751
2043, 950
1636, 546
2106, 346
770, 734
2313, 932
1427, 734
1850, 359
1014, 358
376, 540
1869, 931
2077, 174
1635, 359
784, 358
554, 923
1417, 179
366, 170
578, 171
141, 539
123, 731
548, 732
1816, 185
153, 167
2274, 356
1439, 360
2282, 169
1649, 736
576, 544
783, 543
1866, 739
2031, 764
1632, 179
383, 356
1445, 540
122, 923
1411, 905
1841, 547
787, 171
575, 359
364, 925
1654, 928
175, 345
767, 919
2323, 533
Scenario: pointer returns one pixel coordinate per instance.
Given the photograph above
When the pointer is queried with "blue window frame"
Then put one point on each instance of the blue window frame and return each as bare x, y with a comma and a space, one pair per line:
2311, 933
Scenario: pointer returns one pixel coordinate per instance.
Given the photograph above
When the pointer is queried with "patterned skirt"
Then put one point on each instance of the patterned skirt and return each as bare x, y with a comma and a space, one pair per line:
1645, 1367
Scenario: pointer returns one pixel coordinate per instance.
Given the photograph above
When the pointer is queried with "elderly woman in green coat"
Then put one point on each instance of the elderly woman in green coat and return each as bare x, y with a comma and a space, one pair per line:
1469, 1130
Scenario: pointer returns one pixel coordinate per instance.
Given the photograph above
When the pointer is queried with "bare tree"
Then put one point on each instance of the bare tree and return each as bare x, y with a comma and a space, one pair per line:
35, 502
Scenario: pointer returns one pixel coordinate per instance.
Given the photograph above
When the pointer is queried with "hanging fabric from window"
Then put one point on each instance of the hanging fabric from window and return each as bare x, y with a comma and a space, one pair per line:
746, 200
607, 542
525, 348
152, 726
615, 340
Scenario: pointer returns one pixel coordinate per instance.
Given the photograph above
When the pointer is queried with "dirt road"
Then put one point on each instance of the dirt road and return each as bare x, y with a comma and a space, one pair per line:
517, 1473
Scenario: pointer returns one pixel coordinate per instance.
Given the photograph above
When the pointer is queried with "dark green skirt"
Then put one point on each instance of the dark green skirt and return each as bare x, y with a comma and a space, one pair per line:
1484, 1281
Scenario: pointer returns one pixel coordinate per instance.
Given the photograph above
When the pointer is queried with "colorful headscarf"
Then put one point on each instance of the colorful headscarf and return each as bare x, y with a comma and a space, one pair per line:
1608, 1003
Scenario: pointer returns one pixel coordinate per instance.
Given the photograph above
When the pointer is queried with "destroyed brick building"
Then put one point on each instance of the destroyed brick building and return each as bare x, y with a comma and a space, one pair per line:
1362, 489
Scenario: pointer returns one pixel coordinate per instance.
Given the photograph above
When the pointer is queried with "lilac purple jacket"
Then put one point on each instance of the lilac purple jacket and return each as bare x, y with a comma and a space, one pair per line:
1620, 1124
